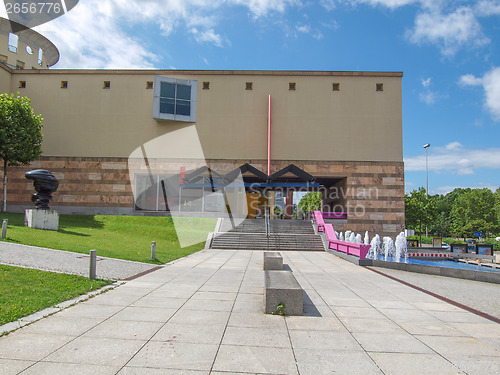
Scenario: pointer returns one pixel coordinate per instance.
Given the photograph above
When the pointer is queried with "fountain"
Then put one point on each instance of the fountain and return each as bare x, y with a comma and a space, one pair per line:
352, 237
389, 248
347, 235
367, 238
401, 248
358, 239
341, 237
375, 247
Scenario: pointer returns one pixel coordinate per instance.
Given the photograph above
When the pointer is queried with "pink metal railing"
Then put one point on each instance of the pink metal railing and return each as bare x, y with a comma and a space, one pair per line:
350, 248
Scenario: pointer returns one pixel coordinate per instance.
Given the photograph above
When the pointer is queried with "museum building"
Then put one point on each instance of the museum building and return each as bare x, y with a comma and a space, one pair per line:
119, 140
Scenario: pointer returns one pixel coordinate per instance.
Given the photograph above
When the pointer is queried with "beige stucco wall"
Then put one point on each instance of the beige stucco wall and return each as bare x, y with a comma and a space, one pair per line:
30, 61
5, 78
311, 123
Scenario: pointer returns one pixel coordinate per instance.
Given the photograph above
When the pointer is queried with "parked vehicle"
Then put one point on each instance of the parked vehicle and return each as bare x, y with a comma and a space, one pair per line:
445, 246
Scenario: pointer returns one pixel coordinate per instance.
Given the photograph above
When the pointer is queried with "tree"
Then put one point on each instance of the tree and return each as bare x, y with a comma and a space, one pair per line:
310, 202
420, 210
474, 211
20, 134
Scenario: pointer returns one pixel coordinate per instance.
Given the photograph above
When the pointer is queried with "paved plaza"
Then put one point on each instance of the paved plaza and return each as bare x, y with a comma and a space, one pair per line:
204, 314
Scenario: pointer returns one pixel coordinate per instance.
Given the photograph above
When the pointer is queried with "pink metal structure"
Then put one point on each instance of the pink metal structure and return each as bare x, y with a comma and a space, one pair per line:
350, 248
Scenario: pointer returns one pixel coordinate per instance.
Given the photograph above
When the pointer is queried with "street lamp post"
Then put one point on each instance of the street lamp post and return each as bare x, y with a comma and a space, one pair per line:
426, 146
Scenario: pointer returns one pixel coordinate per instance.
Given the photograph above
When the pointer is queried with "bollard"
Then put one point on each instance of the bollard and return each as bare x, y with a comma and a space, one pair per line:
4, 228
153, 250
93, 263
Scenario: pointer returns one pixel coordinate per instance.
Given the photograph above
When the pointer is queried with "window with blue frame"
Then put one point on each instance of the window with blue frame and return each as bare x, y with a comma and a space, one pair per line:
175, 99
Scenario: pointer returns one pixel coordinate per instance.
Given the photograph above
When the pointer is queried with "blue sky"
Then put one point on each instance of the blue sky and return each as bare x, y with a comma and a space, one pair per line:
448, 50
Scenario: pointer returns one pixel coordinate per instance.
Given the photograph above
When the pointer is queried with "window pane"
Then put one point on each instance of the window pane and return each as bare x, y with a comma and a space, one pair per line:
146, 191
191, 199
184, 92
167, 106
167, 90
13, 41
183, 107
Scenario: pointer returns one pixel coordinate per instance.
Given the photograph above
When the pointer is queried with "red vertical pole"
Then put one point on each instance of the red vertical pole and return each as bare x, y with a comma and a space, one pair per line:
269, 138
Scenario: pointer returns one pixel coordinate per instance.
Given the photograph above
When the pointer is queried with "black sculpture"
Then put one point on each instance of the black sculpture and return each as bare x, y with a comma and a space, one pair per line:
45, 184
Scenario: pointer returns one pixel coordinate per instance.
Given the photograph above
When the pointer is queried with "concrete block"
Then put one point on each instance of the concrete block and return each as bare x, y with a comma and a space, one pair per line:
273, 261
283, 288
42, 219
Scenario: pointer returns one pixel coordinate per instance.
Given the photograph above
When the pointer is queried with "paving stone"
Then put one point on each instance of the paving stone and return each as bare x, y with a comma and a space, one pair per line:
256, 320
252, 359
62, 326
324, 340
327, 361
185, 316
390, 343
14, 366
51, 368
306, 323
145, 314
175, 355
476, 364
30, 346
96, 351
125, 329
128, 370
459, 345
414, 364
188, 333
380, 326
265, 337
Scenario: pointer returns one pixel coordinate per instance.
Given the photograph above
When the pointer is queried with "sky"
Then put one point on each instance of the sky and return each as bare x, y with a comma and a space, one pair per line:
448, 51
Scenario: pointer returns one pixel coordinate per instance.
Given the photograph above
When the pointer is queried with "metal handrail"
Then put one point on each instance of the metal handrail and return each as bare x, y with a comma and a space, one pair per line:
268, 226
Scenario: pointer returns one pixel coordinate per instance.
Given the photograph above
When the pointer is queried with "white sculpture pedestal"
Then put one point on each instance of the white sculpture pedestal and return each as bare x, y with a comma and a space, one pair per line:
42, 219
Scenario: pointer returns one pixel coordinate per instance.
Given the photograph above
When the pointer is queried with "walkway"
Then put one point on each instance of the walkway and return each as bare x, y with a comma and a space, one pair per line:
203, 315
68, 262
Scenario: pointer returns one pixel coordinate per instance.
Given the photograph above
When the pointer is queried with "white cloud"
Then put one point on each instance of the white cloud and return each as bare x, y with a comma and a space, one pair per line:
455, 158
262, 7
450, 25
388, 3
488, 8
303, 29
90, 37
328, 4
449, 32
470, 80
92, 34
491, 85
428, 97
207, 36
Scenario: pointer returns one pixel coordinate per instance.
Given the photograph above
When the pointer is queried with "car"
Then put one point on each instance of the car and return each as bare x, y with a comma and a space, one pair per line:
445, 246
497, 239
472, 242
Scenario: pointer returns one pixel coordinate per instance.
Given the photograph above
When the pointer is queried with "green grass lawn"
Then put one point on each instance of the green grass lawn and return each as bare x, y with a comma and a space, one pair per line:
25, 291
123, 237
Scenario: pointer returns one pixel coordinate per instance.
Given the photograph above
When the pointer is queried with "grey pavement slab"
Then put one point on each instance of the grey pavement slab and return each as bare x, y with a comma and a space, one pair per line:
204, 315
472, 293
68, 262
414, 364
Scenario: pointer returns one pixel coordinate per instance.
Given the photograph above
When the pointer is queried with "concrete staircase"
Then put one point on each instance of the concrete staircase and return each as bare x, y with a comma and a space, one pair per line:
286, 235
